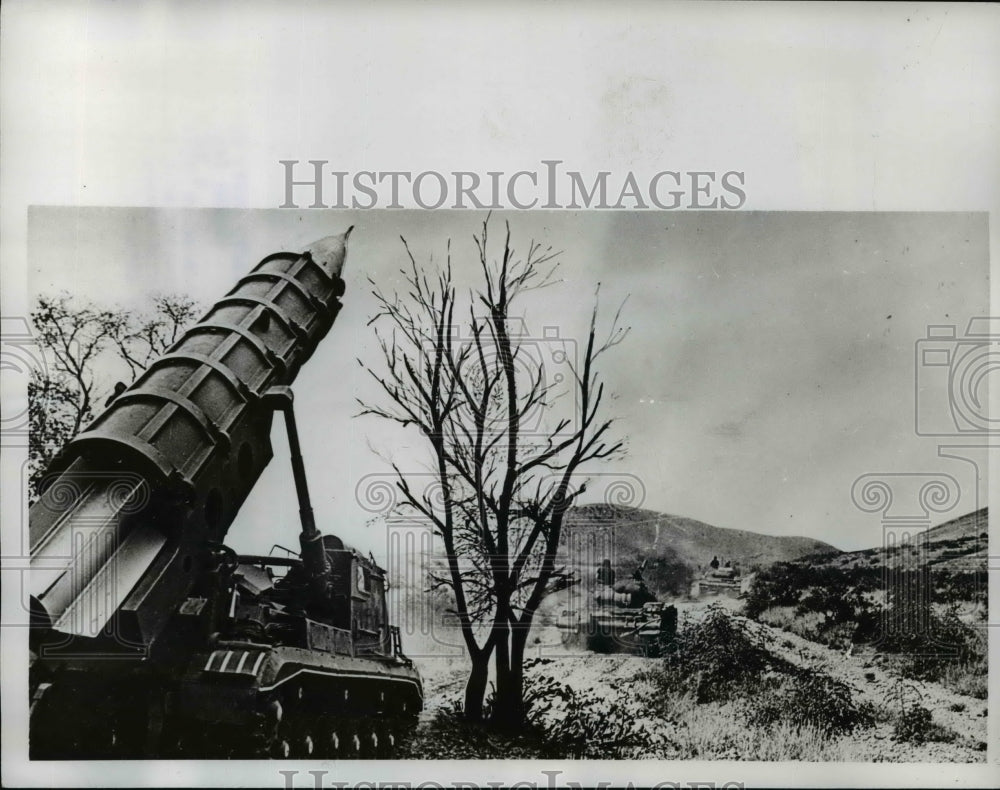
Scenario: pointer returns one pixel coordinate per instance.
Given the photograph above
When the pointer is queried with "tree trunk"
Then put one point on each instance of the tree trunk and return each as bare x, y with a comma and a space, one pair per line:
475, 687
508, 711
502, 665
518, 640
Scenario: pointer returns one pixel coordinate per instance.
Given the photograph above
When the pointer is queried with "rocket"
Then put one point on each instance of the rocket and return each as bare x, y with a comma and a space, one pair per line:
134, 503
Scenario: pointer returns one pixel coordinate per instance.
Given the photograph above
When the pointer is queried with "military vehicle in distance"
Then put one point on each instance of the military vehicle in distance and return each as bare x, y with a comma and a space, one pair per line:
721, 580
622, 617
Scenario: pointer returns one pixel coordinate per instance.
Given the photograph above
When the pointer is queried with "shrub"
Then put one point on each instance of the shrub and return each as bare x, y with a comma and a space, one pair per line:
934, 647
917, 725
581, 724
836, 594
811, 699
716, 656
449, 735
839, 636
779, 585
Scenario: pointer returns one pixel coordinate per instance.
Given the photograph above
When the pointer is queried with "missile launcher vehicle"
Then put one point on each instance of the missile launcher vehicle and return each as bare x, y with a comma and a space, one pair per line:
152, 638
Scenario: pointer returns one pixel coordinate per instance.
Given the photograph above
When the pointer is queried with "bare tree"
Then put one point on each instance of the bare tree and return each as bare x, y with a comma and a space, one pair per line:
138, 340
505, 467
85, 345
53, 405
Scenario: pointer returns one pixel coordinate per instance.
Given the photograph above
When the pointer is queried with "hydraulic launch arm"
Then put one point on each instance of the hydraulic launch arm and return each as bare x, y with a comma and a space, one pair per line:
314, 557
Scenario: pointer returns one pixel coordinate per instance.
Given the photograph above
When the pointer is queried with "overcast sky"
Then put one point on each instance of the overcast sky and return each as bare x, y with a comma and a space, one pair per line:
770, 361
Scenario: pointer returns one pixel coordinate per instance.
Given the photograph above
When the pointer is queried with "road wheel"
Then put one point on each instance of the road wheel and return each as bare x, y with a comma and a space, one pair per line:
353, 746
386, 741
333, 743
286, 743
308, 745
281, 749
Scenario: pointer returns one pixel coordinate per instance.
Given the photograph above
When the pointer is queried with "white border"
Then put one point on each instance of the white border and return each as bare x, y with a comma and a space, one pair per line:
826, 107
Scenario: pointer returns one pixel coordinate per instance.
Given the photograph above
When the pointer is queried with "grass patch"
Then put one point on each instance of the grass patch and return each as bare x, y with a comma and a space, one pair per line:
721, 731
449, 735
811, 700
968, 678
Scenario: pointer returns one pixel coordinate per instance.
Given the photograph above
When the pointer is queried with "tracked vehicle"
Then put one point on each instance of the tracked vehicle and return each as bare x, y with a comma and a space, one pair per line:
619, 618
149, 636
726, 581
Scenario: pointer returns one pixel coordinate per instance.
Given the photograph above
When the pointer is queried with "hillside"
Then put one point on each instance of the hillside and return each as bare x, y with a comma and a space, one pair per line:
961, 527
674, 547
959, 544
899, 604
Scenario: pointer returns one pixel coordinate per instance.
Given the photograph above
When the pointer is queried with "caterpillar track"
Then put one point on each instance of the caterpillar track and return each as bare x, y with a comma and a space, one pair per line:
310, 716
323, 718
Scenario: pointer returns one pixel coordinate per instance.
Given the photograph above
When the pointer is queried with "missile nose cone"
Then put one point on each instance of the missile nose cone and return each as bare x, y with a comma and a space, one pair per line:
330, 252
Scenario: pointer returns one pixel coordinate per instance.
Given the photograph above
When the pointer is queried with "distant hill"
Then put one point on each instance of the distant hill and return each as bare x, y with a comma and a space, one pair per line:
959, 544
674, 547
